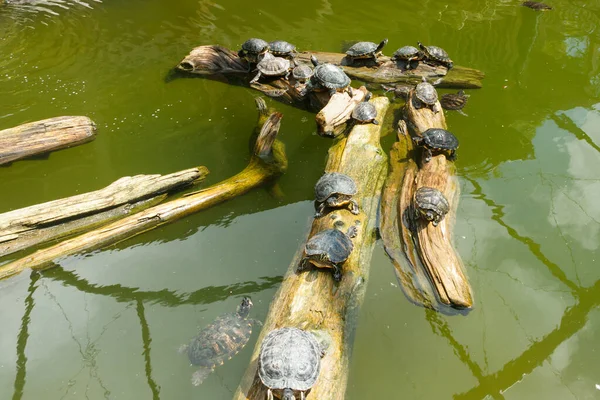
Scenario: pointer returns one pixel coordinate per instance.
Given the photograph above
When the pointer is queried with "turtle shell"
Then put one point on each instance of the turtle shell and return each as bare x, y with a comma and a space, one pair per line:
428, 198
362, 49
437, 138
406, 53
331, 76
436, 54
281, 48
273, 66
289, 358
364, 112
255, 46
333, 243
334, 183
426, 93
454, 101
302, 72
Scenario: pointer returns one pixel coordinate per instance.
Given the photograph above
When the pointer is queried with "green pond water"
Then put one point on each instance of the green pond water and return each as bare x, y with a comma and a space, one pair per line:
107, 324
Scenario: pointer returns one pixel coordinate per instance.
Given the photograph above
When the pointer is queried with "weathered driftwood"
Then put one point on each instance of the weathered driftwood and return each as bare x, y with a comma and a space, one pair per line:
331, 120
312, 300
264, 165
44, 136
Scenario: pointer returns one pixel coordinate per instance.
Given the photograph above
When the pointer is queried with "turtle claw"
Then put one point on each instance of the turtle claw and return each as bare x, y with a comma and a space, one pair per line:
352, 232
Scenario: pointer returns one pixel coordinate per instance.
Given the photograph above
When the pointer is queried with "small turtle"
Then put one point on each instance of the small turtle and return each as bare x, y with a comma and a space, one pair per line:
400, 90
289, 361
283, 49
535, 5
302, 73
329, 249
431, 204
426, 95
272, 66
219, 341
328, 77
253, 49
335, 190
363, 50
436, 55
407, 54
365, 112
437, 139
454, 101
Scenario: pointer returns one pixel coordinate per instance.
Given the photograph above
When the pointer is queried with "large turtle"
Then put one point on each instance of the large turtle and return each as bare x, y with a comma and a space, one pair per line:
363, 50
431, 204
365, 112
439, 140
289, 362
219, 341
425, 94
436, 55
407, 54
454, 101
252, 50
272, 66
329, 249
328, 77
335, 190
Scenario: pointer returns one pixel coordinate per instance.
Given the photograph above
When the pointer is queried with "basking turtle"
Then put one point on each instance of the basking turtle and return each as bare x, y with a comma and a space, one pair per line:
537, 5
407, 54
328, 77
253, 49
436, 55
431, 204
335, 190
365, 112
302, 73
439, 140
219, 341
272, 66
329, 249
364, 50
425, 94
454, 101
289, 362
283, 49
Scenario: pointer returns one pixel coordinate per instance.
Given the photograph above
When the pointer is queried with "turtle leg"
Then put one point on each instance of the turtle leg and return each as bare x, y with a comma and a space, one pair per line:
331, 92
199, 376
375, 58
337, 273
302, 396
302, 266
269, 394
352, 232
375, 122
353, 207
452, 156
426, 155
255, 79
320, 210
287, 76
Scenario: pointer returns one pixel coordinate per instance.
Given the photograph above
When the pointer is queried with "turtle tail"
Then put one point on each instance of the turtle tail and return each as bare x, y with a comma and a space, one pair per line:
199, 376
288, 394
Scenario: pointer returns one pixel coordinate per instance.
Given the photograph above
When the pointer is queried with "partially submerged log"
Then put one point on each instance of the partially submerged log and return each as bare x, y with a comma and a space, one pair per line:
267, 162
44, 136
312, 300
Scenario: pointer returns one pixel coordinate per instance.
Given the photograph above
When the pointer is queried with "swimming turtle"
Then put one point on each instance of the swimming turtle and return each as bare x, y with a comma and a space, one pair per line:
219, 341
281, 48
407, 54
537, 5
335, 190
329, 249
425, 94
253, 49
363, 50
328, 77
439, 140
365, 112
436, 55
302, 73
272, 66
431, 204
289, 362
454, 101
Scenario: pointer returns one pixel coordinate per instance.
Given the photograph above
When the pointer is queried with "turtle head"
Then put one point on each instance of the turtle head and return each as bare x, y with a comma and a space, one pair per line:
314, 60
382, 44
450, 65
244, 309
421, 45
288, 394
368, 97
430, 215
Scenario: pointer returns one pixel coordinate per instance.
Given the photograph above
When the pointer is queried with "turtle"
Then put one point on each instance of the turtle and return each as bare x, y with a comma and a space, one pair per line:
454, 101
281, 48
302, 73
364, 50
289, 362
272, 66
426, 95
400, 90
407, 54
430, 204
219, 341
328, 77
436, 55
335, 190
252, 50
365, 112
437, 139
329, 249
536, 5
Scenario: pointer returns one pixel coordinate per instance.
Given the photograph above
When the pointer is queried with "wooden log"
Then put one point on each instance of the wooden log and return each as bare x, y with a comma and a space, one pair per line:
44, 136
264, 165
312, 300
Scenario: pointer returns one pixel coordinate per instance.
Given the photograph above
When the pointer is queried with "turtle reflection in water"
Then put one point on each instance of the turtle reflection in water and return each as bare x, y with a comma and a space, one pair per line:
455, 101
219, 341
536, 5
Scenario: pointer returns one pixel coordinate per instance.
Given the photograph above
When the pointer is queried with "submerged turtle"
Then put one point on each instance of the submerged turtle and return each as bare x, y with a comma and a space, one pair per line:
537, 5
439, 140
436, 55
253, 49
365, 112
219, 341
272, 66
454, 101
328, 77
289, 361
335, 190
302, 73
329, 249
281, 48
363, 50
426, 94
431, 204
407, 54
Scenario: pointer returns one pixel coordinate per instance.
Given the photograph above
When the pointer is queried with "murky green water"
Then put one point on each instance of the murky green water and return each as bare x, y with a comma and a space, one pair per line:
108, 324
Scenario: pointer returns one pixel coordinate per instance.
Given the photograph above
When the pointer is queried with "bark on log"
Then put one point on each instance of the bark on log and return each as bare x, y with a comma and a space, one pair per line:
44, 136
312, 300
264, 165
